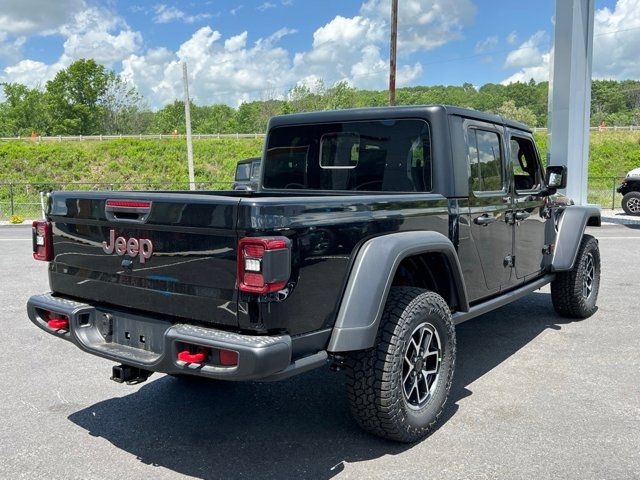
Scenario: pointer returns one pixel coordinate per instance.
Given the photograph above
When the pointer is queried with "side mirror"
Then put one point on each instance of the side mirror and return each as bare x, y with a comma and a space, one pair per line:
556, 177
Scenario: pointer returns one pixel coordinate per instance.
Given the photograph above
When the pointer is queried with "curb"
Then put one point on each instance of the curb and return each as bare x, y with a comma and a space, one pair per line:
620, 220
26, 223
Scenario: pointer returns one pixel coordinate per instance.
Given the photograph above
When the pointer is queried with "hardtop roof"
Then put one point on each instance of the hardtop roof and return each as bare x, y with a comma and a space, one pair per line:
372, 113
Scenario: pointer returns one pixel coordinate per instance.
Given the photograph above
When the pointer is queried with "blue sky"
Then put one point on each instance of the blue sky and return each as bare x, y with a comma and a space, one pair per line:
247, 49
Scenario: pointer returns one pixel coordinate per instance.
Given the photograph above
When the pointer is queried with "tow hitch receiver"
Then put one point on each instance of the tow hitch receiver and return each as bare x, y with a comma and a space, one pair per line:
129, 375
58, 323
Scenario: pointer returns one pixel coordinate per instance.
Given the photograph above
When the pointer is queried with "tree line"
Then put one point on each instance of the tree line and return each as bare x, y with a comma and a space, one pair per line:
88, 99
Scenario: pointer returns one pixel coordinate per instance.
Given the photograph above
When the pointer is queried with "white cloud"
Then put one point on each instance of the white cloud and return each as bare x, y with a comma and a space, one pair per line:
221, 72
105, 38
236, 42
166, 14
532, 59
487, 44
27, 17
235, 10
512, 38
235, 68
528, 53
10, 49
353, 49
615, 47
91, 33
31, 73
265, 6
616, 43
425, 24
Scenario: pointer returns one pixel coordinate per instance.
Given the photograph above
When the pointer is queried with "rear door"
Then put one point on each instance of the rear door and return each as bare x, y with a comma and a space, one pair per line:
530, 215
187, 267
489, 202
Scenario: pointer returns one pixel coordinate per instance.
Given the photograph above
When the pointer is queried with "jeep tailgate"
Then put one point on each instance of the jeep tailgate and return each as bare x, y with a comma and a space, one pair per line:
187, 267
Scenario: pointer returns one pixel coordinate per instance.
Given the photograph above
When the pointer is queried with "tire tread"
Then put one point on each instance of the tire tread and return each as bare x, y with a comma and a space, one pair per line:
371, 377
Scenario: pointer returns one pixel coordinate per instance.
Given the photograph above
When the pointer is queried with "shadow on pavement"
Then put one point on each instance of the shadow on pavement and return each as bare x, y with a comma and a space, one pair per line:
299, 427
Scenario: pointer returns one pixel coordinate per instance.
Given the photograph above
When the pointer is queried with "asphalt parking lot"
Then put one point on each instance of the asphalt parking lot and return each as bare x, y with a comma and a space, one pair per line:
535, 396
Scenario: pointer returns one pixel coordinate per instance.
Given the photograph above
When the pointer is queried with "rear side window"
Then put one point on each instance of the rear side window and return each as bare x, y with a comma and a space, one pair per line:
485, 157
242, 171
379, 155
527, 173
255, 169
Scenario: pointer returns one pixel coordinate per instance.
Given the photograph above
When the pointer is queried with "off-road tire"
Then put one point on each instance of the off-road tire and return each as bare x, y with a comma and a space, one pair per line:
631, 203
374, 376
567, 293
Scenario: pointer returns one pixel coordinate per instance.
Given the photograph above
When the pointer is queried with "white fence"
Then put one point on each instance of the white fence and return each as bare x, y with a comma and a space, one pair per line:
599, 129
60, 138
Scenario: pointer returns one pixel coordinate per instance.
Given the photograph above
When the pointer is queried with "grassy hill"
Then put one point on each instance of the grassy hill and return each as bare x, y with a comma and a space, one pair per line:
155, 163
122, 160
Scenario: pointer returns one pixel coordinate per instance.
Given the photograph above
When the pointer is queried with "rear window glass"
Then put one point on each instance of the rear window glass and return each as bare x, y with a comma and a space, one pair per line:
384, 155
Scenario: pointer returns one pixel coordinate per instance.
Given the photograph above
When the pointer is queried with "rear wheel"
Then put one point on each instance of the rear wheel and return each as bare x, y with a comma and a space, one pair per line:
631, 203
574, 293
397, 390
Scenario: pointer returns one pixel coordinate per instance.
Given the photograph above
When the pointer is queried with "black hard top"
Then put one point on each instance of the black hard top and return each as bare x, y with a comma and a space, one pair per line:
376, 113
249, 160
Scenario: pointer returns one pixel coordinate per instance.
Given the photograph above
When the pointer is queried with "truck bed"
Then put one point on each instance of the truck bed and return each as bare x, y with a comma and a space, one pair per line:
192, 272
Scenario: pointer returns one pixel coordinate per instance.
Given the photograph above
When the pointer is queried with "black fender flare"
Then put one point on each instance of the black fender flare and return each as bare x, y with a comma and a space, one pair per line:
571, 225
370, 279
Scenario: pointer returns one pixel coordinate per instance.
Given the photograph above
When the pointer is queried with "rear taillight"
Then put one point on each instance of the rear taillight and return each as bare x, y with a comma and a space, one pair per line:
264, 264
42, 241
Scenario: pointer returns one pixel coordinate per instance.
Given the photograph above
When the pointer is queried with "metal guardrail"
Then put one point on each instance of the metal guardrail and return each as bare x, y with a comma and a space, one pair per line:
61, 138
23, 199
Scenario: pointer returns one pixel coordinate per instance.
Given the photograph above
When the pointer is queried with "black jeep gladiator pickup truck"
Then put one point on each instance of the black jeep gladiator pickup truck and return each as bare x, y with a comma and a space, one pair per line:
372, 234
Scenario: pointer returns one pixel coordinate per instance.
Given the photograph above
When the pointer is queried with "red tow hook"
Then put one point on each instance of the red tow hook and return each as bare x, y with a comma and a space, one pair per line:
58, 323
188, 357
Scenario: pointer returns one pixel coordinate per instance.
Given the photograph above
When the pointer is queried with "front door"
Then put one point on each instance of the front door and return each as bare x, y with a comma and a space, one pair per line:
490, 203
529, 215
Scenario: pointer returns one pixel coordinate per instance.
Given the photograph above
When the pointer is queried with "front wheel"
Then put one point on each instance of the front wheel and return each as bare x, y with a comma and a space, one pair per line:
631, 203
574, 293
397, 390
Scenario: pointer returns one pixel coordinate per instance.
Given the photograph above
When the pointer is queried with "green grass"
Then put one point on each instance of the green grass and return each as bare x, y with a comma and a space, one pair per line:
122, 160
161, 164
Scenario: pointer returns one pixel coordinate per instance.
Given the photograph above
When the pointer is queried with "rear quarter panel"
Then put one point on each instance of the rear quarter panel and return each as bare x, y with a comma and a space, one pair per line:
326, 232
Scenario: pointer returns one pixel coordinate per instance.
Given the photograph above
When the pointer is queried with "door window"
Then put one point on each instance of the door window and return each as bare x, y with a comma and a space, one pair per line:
485, 157
527, 173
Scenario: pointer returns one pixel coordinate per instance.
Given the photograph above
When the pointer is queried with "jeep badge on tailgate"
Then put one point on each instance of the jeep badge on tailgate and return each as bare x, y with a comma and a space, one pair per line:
143, 248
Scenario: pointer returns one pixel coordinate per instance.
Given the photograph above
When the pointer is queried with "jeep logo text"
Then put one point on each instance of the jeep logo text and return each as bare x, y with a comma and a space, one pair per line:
142, 248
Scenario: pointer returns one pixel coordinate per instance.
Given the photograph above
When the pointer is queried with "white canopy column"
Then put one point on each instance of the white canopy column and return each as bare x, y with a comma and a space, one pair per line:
570, 93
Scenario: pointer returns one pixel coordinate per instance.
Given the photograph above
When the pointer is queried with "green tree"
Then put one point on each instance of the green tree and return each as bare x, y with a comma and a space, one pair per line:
169, 118
340, 96
23, 112
522, 114
217, 119
74, 96
122, 107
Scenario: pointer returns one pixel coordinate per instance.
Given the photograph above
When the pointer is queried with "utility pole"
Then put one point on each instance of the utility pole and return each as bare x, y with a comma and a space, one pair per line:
392, 53
187, 116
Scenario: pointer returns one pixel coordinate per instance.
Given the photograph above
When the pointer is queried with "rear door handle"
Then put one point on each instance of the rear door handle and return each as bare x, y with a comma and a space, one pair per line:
484, 220
521, 215
513, 217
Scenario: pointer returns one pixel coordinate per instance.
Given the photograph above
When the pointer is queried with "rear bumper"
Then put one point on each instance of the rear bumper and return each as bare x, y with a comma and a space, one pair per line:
100, 331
